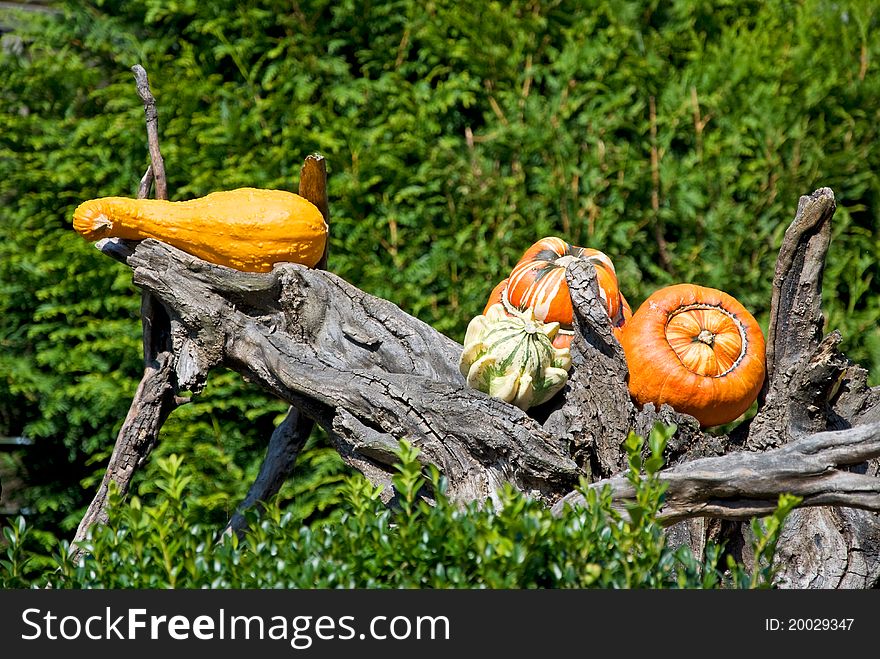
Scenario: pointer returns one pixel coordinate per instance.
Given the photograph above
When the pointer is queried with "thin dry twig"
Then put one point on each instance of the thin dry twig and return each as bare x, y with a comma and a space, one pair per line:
152, 118
662, 250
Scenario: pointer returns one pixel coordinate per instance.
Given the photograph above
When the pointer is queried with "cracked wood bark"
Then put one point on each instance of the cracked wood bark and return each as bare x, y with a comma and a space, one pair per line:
597, 413
155, 397
746, 484
366, 371
812, 387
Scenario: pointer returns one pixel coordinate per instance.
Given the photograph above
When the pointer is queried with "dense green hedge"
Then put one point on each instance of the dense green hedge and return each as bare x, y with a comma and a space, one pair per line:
517, 543
676, 136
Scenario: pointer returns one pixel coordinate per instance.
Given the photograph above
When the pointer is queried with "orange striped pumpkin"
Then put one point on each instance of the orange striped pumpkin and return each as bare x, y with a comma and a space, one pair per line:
538, 282
499, 296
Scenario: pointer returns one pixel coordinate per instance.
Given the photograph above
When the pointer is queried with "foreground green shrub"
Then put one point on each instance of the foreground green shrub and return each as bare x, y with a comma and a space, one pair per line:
516, 543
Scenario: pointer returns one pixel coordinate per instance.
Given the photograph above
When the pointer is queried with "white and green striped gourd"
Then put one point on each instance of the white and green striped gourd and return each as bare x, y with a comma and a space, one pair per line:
512, 357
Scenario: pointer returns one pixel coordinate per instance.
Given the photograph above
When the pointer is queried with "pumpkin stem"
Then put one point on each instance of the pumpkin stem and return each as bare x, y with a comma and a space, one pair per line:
707, 337
529, 327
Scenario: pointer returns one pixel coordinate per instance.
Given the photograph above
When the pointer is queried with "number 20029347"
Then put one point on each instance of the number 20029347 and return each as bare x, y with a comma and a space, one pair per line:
808, 624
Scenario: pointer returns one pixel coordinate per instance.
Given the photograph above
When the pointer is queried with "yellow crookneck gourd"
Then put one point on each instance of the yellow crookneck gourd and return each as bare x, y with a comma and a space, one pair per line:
248, 229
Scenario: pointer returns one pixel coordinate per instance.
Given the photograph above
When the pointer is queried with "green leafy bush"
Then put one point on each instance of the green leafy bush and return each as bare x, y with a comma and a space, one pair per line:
515, 543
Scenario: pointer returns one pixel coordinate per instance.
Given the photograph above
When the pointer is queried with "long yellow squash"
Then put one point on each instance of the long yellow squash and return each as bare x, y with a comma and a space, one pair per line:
248, 229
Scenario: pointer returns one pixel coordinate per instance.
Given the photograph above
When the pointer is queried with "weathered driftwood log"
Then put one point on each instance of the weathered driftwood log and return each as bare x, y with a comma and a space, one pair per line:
371, 374
156, 396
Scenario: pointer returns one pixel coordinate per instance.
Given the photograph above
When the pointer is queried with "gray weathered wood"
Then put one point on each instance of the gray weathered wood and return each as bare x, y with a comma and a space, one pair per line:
594, 413
812, 387
156, 395
285, 444
370, 399
366, 371
747, 484
796, 326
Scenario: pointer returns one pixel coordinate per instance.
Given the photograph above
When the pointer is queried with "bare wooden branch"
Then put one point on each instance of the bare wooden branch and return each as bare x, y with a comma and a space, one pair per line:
365, 370
285, 445
157, 163
292, 433
153, 401
156, 395
743, 485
